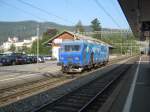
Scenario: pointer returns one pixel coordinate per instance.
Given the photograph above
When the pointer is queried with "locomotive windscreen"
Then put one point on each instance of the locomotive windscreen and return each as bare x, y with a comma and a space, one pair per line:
71, 48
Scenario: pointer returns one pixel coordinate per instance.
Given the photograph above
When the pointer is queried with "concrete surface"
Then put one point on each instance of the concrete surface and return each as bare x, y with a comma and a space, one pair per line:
49, 66
18, 74
30, 103
140, 101
135, 94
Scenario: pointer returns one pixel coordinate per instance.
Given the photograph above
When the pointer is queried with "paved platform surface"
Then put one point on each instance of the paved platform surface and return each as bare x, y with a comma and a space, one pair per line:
141, 98
138, 98
135, 93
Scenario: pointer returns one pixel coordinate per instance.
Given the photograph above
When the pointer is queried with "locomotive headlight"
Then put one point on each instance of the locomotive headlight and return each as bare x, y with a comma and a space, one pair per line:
77, 58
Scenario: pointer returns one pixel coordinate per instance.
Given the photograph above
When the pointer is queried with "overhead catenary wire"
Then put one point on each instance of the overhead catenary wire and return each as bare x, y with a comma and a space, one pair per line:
44, 11
15, 7
118, 11
22, 10
107, 13
110, 16
114, 6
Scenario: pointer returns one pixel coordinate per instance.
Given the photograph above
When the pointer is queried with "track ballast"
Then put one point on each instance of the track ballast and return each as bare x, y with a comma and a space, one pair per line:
89, 97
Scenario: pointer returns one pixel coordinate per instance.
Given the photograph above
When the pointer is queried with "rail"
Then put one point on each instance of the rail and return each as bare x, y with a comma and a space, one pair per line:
80, 99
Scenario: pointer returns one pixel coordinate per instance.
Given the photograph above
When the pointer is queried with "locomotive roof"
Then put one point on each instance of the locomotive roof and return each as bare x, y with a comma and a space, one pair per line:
74, 41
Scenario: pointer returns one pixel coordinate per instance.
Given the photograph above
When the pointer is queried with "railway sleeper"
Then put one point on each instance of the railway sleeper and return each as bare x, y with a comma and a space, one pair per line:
90, 92
80, 94
73, 105
63, 109
88, 89
74, 101
97, 85
78, 98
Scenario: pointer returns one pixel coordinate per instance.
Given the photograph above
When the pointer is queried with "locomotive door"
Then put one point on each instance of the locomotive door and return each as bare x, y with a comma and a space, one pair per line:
87, 55
84, 55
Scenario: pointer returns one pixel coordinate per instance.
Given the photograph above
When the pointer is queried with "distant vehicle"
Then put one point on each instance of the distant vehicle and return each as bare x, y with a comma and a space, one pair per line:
4, 60
46, 58
41, 59
27, 59
16, 58
77, 55
34, 59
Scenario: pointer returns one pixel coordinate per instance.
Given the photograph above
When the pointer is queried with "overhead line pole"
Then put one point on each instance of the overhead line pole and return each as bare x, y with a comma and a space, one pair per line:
37, 43
110, 16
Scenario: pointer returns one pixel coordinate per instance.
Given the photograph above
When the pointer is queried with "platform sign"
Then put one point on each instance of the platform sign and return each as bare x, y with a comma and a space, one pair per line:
147, 33
146, 26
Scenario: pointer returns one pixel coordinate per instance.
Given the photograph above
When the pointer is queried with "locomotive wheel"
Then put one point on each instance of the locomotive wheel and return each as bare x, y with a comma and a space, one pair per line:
63, 69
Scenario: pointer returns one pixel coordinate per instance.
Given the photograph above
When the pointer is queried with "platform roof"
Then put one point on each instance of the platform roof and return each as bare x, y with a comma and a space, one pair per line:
136, 12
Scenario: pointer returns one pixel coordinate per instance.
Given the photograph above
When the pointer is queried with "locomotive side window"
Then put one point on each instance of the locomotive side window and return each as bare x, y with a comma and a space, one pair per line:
70, 48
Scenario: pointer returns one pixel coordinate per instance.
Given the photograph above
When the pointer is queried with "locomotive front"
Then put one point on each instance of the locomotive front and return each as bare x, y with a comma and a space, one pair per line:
70, 56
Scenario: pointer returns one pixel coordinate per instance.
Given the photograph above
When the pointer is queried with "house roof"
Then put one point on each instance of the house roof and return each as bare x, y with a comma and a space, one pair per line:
77, 36
51, 39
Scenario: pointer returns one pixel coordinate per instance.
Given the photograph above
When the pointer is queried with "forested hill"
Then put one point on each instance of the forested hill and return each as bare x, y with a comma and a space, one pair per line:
26, 29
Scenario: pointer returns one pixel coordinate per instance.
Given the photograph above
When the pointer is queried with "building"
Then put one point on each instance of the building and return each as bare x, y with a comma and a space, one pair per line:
18, 44
56, 41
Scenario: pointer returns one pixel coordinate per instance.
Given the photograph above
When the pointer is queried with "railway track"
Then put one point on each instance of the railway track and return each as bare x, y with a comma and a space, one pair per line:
16, 71
18, 92
90, 97
29, 88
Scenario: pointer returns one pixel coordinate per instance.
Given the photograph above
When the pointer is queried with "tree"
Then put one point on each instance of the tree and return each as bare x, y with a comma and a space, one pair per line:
96, 27
43, 49
12, 48
34, 47
79, 27
122, 44
1, 50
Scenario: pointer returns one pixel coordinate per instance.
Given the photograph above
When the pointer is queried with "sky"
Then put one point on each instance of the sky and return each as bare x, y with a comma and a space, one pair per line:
65, 12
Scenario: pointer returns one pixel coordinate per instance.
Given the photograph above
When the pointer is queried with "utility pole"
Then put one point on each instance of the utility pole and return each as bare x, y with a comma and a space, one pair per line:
121, 41
131, 48
37, 34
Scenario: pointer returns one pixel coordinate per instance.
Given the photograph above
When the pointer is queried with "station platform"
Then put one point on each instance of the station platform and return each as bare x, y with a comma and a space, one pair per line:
134, 95
138, 99
141, 97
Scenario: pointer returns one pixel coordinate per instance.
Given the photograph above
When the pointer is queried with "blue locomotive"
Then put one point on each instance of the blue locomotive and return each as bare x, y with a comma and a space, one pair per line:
77, 55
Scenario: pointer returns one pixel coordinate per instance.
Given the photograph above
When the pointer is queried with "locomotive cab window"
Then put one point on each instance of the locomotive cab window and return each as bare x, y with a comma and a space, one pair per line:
70, 48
